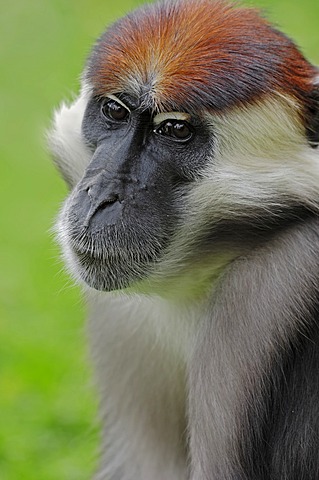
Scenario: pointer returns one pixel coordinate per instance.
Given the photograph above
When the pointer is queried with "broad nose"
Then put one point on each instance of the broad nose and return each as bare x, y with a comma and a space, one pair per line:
99, 193
106, 201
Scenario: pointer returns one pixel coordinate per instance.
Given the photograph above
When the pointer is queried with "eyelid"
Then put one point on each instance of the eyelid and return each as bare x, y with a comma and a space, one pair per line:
117, 100
162, 117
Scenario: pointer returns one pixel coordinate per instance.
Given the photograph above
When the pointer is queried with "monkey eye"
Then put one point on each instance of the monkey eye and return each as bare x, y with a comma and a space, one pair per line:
113, 110
176, 129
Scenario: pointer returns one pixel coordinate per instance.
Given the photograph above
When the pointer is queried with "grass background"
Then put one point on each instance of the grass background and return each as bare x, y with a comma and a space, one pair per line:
47, 405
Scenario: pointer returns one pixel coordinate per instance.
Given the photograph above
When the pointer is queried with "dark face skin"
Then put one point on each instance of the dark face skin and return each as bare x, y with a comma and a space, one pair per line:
126, 208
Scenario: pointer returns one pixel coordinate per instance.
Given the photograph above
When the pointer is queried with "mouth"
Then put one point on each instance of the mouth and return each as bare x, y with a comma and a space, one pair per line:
116, 254
108, 266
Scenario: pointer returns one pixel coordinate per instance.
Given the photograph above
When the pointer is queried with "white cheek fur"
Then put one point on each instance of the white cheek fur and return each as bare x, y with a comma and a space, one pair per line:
262, 156
65, 140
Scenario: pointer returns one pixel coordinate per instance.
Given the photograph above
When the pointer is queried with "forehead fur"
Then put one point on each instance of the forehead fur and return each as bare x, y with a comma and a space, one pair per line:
190, 54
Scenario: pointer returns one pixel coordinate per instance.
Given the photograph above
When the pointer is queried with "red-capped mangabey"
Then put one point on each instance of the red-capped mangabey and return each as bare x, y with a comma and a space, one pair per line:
193, 224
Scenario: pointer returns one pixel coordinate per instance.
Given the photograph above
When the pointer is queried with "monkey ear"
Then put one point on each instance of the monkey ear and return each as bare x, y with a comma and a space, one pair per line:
312, 116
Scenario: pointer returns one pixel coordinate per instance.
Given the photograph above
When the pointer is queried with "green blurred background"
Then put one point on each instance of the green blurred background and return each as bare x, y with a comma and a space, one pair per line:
47, 405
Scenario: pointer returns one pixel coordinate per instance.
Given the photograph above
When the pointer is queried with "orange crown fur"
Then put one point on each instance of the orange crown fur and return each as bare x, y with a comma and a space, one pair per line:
192, 54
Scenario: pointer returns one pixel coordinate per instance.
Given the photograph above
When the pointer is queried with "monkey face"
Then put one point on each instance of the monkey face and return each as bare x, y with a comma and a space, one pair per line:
124, 211
187, 136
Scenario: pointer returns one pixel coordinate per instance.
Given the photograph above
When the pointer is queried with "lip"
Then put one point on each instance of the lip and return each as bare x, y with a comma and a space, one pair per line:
110, 272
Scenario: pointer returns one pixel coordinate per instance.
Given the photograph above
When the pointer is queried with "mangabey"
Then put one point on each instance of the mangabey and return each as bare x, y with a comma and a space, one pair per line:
192, 160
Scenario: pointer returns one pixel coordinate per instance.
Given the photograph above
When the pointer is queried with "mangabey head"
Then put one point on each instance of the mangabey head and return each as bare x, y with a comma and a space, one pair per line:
194, 137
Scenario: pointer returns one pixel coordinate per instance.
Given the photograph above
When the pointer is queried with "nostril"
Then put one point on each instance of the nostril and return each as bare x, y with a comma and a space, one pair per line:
90, 192
100, 198
108, 201
104, 212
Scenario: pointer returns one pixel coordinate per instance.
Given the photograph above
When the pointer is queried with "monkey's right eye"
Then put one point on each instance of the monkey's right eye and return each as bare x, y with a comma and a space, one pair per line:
113, 110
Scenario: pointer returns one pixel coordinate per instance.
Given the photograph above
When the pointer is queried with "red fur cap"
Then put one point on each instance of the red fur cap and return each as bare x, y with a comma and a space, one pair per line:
190, 54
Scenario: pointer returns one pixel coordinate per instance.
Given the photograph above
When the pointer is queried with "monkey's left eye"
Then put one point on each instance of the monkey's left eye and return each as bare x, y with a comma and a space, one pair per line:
176, 129
114, 110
